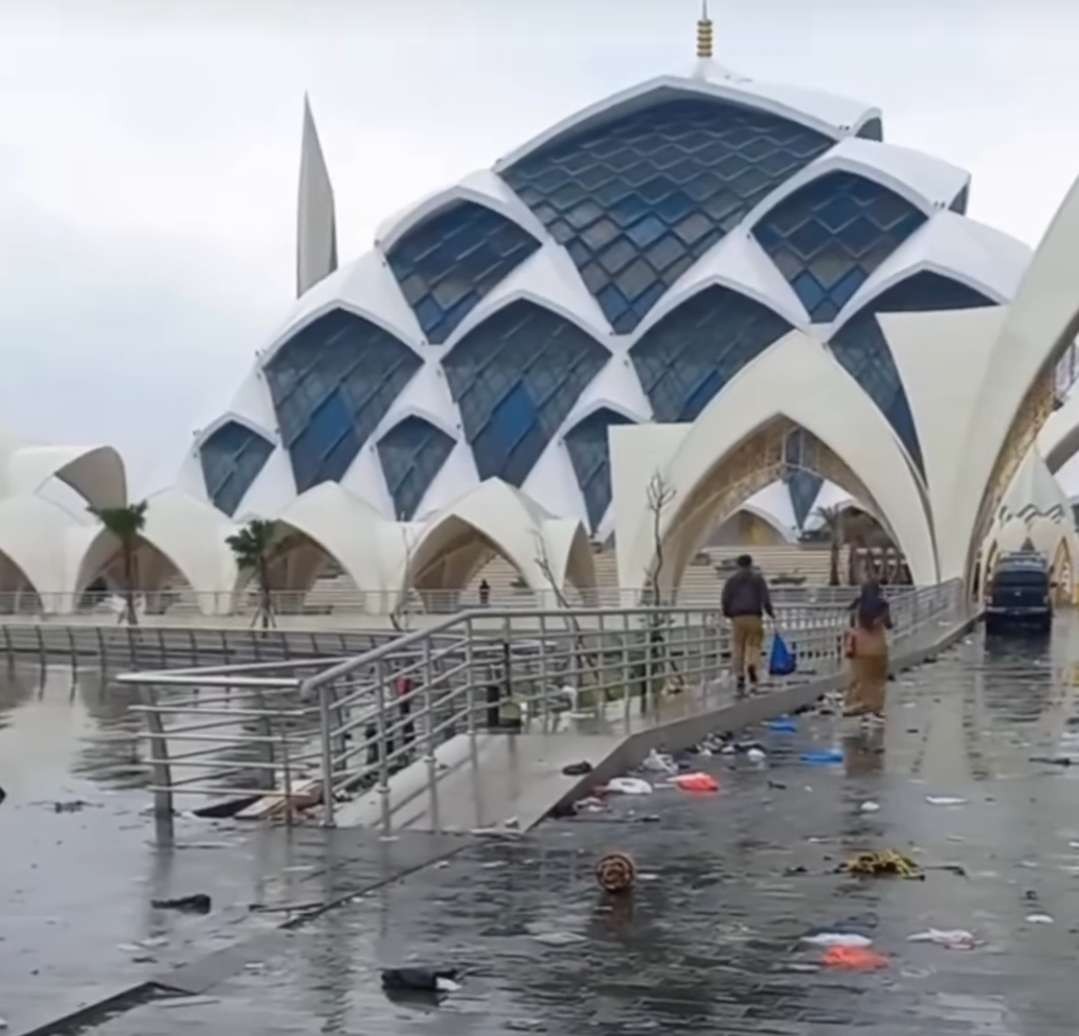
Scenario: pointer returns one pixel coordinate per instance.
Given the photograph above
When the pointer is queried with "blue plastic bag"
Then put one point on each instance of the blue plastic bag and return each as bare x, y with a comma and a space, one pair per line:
783, 661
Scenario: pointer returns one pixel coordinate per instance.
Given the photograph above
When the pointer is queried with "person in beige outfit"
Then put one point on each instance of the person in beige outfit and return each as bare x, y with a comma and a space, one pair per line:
867, 649
745, 601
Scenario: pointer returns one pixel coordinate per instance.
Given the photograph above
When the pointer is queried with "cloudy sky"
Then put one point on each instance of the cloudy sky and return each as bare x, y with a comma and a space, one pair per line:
150, 153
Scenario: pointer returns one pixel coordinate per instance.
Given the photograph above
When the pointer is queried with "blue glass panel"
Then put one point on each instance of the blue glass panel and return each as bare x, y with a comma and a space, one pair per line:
516, 377
590, 455
231, 459
412, 453
690, 166
831, 234
961, 200
872, 130
861, 347
448, 262
803, 484
689, 355
331, 384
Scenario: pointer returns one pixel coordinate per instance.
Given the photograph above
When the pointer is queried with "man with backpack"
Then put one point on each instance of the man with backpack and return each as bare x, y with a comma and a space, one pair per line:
745, 601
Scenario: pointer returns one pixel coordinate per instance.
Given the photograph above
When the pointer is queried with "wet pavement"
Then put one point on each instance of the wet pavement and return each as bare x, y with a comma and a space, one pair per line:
710, 941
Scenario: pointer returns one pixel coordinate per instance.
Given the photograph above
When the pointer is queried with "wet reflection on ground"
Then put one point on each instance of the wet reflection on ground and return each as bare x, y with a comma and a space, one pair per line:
711, 939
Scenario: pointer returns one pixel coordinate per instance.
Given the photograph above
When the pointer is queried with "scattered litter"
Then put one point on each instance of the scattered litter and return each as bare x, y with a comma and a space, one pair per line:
442, 865
791, 872
854, 958
1051, 761
696, 782
755, 755
648, 876
388, 838
747, 746
777, 785
883, 863
589, 804
846, 939
493, 865
154, 942
196, 904
616, 872
74, 806
952, 939
418, 979
945, 800
784, 725
129, 947
525, 1025
658, 763
559, 938
511, 822
827, 758
953, 868
3, 1021
173, 1002
728, 750
577, 769
255, 966
447, 985
200, 845
1039, 919
628, 786
869, 807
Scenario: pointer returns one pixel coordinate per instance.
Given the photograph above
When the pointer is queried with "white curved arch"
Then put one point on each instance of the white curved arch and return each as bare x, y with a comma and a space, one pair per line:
96, 473
829, 115
370, 549
797, 381
482, 187
1058, 441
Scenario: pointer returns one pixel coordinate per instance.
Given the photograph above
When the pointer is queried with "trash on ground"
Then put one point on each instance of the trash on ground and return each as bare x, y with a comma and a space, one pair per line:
74, 806
419, 979
1051, 761
784, 725
826, 758
778, 785
756, 755
945, 800
696, 782
199, 903
173, 1002
658, 762
1039, 919
558, 938
883, 863
848, 939
577, 769
869, 807
952, 939
589, 804
525, 1025
854, 958
628, 786
616, 872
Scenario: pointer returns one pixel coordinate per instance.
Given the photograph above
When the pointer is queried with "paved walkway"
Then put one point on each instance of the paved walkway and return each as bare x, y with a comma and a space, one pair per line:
711, 940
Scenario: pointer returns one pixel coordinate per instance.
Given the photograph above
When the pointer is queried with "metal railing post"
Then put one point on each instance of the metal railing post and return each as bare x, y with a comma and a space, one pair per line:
470, 689
159, 755
429, 712
545, 691
383, 746
627, 698
328, 819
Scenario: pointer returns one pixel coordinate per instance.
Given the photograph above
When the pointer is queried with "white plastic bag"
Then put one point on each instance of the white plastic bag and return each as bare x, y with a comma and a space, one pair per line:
628, 786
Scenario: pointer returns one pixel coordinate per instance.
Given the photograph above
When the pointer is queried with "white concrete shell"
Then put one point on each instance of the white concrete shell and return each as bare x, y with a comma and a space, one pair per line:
795, 380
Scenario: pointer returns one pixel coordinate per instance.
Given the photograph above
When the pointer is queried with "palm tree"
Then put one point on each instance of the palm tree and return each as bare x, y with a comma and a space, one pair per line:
126, 524
251, 547
832, 517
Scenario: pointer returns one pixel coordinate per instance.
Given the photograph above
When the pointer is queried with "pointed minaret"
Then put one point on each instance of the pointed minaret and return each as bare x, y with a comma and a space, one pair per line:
704, 33
316, 233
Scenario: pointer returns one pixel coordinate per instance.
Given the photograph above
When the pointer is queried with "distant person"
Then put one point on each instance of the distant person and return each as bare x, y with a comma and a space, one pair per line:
485, 593
867, 649
745, 601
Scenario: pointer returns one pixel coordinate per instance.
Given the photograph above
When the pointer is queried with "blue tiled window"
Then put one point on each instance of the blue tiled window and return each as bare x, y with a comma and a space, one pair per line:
331, 384
590, 454
800, 462
412, 453
516, 377
231, 459
861, 347
872, 130
638, 199
831, 234
689, 355
447, 263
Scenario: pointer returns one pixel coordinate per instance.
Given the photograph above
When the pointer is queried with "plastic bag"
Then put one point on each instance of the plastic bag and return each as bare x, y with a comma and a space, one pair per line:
628, 786
696, 782
783, 661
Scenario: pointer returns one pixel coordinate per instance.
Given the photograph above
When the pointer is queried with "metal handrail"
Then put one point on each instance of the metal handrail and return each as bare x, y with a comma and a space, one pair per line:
345, 725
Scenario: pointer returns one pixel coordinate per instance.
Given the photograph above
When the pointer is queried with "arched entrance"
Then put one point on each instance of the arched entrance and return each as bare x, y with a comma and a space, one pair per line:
773, 452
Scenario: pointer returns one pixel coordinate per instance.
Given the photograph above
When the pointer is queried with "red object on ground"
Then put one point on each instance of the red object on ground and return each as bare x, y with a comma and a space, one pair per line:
696, 782
854, 958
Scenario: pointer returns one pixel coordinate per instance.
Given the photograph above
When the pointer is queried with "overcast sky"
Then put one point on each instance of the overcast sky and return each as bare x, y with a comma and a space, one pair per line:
150, 153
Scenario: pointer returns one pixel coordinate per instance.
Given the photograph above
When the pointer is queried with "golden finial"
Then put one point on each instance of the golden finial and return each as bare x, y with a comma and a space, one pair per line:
704, 32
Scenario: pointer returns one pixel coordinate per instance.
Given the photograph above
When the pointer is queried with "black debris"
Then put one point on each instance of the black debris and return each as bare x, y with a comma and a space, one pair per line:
199, 903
